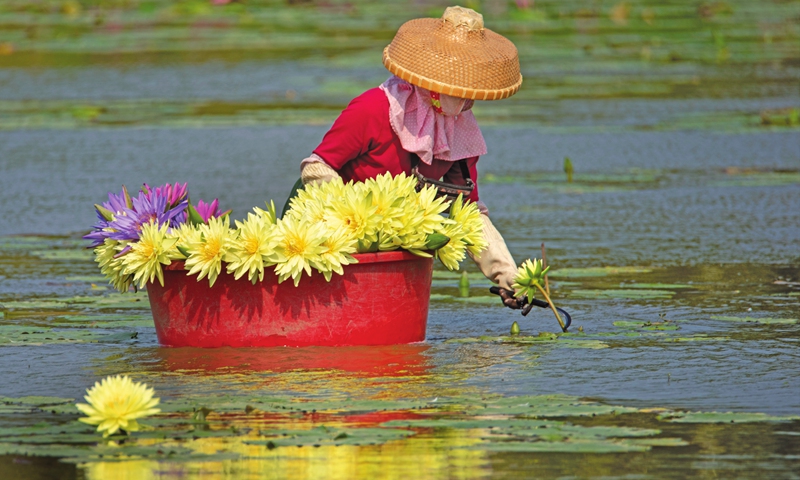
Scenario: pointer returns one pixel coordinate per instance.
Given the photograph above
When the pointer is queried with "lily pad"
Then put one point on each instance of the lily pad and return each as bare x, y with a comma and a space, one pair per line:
597, 271
67, 255
763, 321
633, 325
700, 337
657, 286
544, 406
631, 294
723, 417
324, 435
24, 335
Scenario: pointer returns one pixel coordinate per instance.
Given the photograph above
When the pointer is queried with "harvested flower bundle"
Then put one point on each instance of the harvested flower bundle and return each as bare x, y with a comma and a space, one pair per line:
325, 225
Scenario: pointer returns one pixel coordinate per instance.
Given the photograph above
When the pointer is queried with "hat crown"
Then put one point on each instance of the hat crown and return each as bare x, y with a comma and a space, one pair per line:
455, 55
463, 17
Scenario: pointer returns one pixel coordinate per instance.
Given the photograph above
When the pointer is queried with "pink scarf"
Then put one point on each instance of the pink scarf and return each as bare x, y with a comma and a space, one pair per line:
427, 133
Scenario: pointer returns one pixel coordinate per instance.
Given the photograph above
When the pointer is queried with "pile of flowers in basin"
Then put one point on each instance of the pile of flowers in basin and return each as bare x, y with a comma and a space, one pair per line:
136, 236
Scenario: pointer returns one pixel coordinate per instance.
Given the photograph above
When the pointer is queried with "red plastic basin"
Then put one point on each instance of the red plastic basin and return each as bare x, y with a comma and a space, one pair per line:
381, 300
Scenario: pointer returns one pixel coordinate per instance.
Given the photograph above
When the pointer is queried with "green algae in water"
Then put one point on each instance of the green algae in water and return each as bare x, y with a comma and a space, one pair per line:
633, 325
323, 435
24, 335
762, 321
723, 417
64, 255
656, 286
108, 301
597, 271
630, 294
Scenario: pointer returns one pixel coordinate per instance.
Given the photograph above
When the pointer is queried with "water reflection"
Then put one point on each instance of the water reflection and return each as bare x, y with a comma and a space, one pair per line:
374, 361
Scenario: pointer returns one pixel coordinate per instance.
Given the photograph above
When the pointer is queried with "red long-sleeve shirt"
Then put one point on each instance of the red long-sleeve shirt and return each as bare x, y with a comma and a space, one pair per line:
361, 144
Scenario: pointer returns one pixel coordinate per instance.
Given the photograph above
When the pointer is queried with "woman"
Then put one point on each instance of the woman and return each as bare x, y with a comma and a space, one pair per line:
419, 120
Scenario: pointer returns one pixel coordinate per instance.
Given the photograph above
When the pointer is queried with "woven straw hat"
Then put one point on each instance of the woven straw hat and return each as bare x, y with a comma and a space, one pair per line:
456, 56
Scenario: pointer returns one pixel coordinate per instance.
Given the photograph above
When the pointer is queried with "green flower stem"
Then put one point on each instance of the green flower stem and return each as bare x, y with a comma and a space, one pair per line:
544, 266
552, 307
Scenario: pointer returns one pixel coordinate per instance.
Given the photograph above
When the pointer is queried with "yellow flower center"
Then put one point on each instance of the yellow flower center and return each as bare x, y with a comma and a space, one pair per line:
148, 250
252, 246
211, 249
296, 246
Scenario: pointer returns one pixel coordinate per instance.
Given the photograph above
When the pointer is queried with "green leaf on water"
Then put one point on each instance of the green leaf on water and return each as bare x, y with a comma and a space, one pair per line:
571, 446
572, 343
597, 271
103, 320
634, 325
723, 417
473, 423
435, 297
25, 335
64, 254
539, 406
35, 401
657, 286
700, 337
324, 435
631, 294
763, 321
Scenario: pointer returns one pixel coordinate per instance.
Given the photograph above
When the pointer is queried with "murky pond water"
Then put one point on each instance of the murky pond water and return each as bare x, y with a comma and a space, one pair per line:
676, 248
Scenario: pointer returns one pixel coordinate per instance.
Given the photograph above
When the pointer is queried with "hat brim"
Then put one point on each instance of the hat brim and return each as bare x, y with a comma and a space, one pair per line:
445, 88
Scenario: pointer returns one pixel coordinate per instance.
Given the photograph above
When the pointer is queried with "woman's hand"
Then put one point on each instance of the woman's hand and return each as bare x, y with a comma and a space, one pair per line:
508, 298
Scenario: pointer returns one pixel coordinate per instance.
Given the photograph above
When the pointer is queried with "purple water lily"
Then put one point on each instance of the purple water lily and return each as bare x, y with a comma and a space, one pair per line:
114, 206
146, 207
208, 210
122, 217
174, 193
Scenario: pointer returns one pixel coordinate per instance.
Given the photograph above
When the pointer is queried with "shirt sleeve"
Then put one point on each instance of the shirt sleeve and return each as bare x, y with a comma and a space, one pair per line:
454, 176
349, 137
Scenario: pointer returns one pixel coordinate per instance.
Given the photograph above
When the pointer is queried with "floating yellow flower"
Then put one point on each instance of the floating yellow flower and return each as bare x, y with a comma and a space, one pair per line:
300, 244
117, 403
146, 256
254, 248
206, 255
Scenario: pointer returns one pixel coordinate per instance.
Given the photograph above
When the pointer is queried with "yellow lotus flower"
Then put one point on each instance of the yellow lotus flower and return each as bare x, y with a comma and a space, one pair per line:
430, 208
112, 267
148, 254
467, 215
530, 277
269, 215
309, 203
300, 244
453, 252
254, 248
355, 214
337, 249
186, 233
207, 254
117, 403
